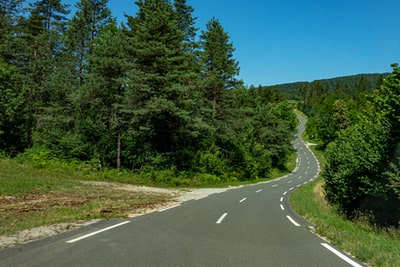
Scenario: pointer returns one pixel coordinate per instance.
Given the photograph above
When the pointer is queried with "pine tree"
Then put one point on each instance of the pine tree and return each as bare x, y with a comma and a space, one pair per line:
99, 100
160, 95
90, 18
219, 68
10, 15
42, 66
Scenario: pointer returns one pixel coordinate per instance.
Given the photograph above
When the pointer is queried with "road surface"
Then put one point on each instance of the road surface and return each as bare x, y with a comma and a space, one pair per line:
247, 226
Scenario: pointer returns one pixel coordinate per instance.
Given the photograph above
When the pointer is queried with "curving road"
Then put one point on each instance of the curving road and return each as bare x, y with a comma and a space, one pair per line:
247, 226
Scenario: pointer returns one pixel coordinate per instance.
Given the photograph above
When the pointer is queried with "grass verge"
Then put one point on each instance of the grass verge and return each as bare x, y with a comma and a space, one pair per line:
377, 247
40, 191
31, 197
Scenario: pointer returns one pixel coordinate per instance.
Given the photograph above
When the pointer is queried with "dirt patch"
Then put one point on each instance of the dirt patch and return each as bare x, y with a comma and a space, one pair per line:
37, 203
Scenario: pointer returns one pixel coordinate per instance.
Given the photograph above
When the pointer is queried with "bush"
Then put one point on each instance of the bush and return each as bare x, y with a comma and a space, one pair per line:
354, 165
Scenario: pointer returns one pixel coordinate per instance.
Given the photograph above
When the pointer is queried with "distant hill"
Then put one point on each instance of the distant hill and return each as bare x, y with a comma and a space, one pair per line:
291, 90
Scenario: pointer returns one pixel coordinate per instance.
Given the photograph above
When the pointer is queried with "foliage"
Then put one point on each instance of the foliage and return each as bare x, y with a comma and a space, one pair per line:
149, 95
356, 175
366, 242
354, 162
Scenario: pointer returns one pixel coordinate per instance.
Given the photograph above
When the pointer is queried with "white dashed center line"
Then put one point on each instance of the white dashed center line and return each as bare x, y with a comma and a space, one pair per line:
221, 218
293, 221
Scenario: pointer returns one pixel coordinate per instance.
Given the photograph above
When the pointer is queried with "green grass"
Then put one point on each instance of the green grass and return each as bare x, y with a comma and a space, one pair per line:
42, 191
376, 246
31, 197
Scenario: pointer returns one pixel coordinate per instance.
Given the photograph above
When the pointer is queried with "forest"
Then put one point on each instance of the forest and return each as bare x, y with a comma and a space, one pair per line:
357, 126
150, 94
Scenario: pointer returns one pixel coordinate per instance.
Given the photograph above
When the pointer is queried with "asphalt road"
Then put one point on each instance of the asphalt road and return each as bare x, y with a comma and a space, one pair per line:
247, 226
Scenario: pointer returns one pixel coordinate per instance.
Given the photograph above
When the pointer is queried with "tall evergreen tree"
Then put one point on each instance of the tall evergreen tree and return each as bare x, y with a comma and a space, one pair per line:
10, 15
90, 18
99, 101
159, 96
43, 31
219, 68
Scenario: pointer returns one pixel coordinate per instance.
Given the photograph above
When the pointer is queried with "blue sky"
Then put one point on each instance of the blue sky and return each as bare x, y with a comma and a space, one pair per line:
281, 41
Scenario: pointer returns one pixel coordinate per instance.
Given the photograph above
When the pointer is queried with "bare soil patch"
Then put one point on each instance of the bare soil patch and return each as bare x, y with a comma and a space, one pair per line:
17, 207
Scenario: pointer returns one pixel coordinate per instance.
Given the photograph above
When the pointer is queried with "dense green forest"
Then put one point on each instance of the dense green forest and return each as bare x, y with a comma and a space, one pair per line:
151, 94
349, 84
356, 120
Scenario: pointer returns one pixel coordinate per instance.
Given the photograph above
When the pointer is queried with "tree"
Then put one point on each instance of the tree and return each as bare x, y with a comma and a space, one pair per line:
387, 101
219, 68
99, 100
340, 117
354, 164
186, 22
14, 136
160, 94
90, 18
10, 15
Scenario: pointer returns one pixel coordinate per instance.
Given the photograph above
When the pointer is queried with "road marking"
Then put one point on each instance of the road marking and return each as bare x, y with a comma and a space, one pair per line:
281, 199
292, 221
340, 255
221, 218
275, 185
97, 232
300, 177
282, 207
168, 208
298, 185
284, 193
290, 189
258, 191
290, 182
242, 200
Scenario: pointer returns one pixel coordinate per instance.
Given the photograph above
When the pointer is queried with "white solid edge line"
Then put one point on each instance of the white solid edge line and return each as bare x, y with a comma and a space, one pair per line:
221, 218
293, 221
96, 232
341, 255
168, 208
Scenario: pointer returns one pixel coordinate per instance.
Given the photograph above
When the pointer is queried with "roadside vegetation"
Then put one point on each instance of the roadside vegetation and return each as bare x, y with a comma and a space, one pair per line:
369, 243
43, 191
32, 197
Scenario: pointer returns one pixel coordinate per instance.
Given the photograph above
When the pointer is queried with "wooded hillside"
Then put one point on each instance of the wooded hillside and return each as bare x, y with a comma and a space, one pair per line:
152, 94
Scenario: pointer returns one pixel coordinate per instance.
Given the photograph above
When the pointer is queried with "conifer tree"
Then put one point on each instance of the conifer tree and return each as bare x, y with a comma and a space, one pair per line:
99, 100
219, 68
90, 18
42, 67
159, 96
10, 15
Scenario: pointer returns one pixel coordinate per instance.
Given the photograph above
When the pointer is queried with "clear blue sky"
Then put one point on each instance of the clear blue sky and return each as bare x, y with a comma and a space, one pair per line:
280, 41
